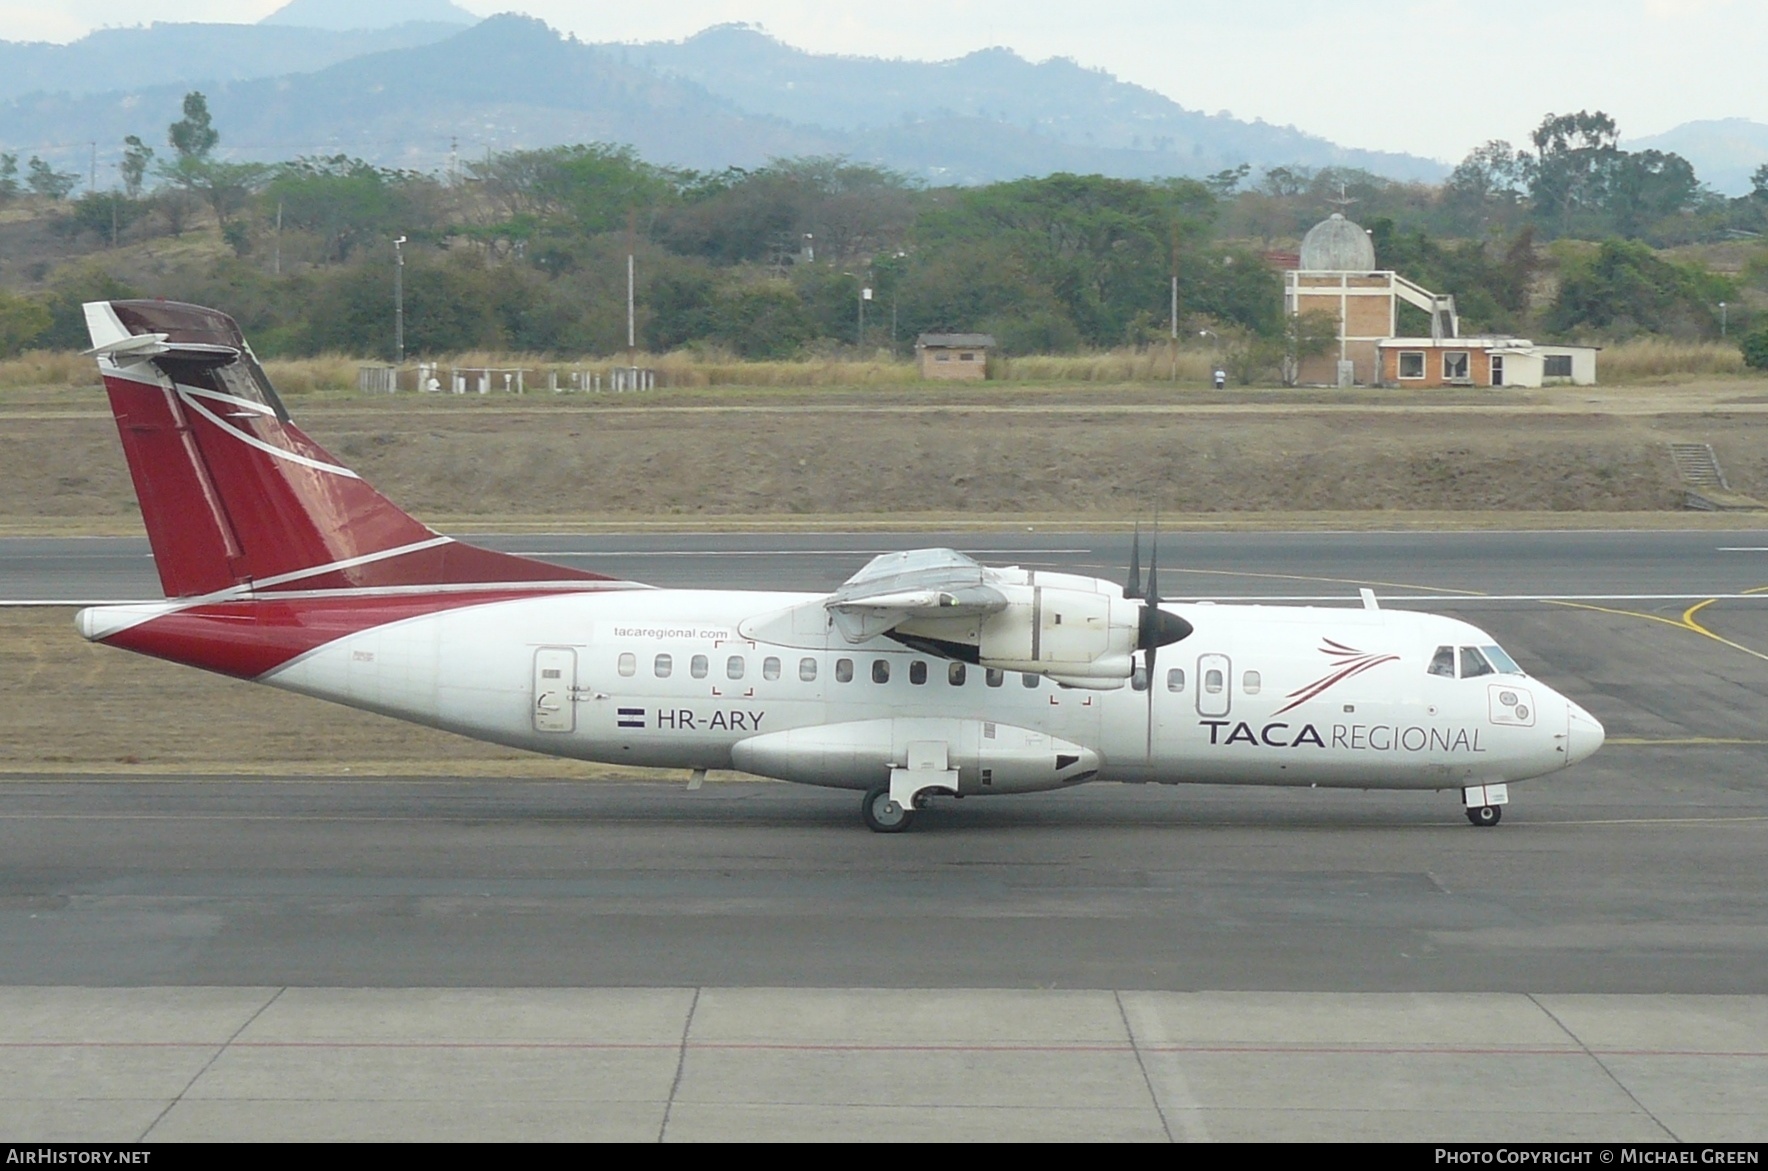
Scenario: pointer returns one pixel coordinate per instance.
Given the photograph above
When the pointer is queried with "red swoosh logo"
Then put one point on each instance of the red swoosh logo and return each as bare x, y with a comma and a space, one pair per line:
1349, 662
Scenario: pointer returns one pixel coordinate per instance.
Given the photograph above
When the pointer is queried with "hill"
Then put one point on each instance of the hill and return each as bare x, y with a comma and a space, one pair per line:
343, 15
994, 115
117, 60
1725, 151
728, 97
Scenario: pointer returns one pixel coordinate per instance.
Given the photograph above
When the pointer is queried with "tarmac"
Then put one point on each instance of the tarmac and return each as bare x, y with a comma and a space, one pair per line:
441, 957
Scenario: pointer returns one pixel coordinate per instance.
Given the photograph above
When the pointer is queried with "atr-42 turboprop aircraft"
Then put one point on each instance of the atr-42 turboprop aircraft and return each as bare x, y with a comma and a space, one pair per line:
926, 674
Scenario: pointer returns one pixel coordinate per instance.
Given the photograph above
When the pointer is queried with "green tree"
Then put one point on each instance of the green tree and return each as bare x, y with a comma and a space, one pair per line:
105, 214
22, 321
761, 319
66, 305
1626, 288
8, 177
194, 135
225, 187
137, 158
344, 201
1223, 184
1102, 248
48, 182
1646, 187
1572, 156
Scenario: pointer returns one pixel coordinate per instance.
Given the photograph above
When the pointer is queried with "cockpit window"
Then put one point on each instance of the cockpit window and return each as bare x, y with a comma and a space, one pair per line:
1473, 663
1505, 664
1443, 662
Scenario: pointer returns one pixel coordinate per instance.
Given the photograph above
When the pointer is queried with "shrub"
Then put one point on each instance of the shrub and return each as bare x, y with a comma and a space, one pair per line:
1755, 349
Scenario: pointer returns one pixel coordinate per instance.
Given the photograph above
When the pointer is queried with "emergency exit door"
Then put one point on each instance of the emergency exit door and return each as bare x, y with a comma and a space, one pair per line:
555, 689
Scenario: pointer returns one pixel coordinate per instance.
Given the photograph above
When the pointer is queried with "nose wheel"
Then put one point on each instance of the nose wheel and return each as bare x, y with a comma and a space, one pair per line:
882, 815
1485, 814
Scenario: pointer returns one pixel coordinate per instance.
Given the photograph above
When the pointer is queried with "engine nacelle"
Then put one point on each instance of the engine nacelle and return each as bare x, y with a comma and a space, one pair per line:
1069, 628
1079, 631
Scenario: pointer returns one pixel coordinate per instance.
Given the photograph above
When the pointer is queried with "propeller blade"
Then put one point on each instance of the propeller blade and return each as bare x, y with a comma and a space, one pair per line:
1133, 588
1154, 567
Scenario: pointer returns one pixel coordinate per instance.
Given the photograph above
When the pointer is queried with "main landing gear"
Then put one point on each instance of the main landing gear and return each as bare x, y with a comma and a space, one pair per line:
1486, 814
884, 815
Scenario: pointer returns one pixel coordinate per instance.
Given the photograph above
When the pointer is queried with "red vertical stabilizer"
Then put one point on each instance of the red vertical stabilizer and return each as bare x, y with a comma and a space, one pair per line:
236, 499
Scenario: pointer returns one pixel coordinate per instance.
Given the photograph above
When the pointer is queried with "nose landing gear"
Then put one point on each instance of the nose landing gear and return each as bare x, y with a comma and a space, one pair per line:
1485, 803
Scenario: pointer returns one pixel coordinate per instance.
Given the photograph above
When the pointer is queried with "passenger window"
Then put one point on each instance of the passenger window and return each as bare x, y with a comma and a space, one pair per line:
628, 664
844, 670
918, 672
1251, 682
733, 667
770, 668
880, 670
1030, 681
1443, 662
807, 670
663, 666
1175, 679
955, 674
1212, 681
1473, 663
993, 677
697, 666
1139, 678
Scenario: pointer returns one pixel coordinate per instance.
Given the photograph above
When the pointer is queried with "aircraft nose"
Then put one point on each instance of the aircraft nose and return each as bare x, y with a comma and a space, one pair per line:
1584, 734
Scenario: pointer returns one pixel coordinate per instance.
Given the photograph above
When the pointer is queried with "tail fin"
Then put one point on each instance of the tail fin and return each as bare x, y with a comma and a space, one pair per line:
236, 499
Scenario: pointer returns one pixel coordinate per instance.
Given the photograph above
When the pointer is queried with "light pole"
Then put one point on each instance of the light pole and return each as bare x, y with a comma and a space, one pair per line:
1723, 319
399, 301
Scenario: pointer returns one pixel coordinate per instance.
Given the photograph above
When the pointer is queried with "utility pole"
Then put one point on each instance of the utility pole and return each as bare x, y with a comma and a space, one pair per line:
865, 294
1174, 345
399, 302
276, 264
631, 315
1175, 341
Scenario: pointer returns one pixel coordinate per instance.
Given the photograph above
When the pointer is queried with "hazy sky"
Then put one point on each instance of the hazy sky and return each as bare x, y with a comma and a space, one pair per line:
1432, 77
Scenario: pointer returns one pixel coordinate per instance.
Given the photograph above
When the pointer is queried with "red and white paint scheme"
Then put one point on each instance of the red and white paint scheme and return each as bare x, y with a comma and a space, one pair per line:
925, 675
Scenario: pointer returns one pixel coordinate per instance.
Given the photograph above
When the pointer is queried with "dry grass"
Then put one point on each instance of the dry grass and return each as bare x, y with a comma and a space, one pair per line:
306, 375
1630, 362
1125, 364
48, 368
1650, 359
709, 368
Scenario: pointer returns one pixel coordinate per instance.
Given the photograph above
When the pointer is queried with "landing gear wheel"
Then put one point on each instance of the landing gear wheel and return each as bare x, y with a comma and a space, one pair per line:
1485, 814
883, 815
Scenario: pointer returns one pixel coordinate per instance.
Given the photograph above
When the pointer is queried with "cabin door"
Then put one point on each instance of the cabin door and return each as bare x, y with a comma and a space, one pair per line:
555, 689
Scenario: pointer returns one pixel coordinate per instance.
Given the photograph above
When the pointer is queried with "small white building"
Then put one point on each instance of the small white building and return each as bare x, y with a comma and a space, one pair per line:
1425, 362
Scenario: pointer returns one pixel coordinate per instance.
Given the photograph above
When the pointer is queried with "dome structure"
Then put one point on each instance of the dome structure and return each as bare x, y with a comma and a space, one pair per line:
1335, 244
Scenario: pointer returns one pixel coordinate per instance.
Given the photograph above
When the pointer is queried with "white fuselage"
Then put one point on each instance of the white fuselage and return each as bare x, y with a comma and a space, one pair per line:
680, 678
